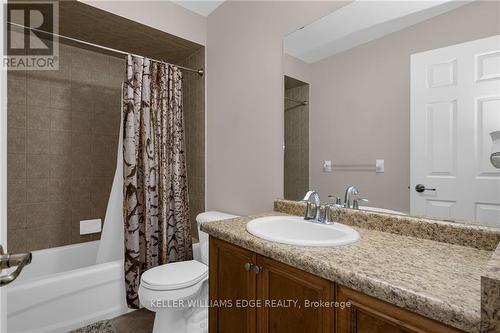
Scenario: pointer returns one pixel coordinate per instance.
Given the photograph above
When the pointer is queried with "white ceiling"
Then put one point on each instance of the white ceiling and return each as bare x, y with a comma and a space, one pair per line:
360, 22
202, 7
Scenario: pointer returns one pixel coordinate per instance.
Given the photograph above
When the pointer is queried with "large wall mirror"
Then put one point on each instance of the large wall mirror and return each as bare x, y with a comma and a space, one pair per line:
402, 100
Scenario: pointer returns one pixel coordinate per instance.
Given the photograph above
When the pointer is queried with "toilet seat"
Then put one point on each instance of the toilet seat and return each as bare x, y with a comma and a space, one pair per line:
177, 275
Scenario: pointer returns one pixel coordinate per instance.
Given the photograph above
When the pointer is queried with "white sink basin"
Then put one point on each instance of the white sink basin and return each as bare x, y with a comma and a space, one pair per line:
297, 231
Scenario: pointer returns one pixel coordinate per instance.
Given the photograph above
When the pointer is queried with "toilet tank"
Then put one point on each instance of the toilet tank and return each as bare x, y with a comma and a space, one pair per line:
203, 236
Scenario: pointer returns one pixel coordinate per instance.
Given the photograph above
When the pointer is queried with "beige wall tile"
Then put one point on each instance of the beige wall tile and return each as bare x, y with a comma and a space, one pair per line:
80, 70
80, 211
81, 166
60, 143
82, 97
17, 241
38, 117
16, 191
59, 189
16, 216
16, 166
48, 236
81, 122
16, 87
16, 138
37, 142
81, 189
60, 94
37, 190
38, 91
296, 159
60, 120
43, 214
194, 118
81, 144
105, 123
38, 166
59, 166
16, 115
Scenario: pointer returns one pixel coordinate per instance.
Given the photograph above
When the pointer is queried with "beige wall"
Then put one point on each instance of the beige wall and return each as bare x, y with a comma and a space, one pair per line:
360, 104
296, 68
245, 100
62, 142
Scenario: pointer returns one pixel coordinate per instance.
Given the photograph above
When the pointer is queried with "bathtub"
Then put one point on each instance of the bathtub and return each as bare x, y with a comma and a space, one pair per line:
63, 289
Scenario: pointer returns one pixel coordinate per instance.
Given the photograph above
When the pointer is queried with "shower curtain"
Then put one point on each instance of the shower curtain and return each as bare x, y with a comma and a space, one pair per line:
156, 219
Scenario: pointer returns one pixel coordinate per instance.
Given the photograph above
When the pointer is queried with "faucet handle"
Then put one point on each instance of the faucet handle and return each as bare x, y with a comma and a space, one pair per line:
327, 215
355, 203
336, 199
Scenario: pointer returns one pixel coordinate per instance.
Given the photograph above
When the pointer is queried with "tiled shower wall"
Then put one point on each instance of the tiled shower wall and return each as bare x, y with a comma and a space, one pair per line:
62, 142
296, 173
194, 111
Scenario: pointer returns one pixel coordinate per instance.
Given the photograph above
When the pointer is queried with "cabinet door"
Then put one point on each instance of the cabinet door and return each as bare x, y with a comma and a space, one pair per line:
230, 282
370, 315
277, 281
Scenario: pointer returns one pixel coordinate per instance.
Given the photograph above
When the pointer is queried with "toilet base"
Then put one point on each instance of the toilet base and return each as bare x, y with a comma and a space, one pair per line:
169, 321
192, 320
184, 318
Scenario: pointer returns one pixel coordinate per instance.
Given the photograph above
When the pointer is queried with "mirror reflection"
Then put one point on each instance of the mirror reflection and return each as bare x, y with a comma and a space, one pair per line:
402, 102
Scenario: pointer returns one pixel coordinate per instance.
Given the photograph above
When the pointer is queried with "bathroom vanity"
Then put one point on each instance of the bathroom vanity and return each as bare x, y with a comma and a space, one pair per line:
386, 282
238, 274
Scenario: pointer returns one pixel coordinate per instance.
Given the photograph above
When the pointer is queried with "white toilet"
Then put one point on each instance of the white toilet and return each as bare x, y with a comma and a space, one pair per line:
178, 292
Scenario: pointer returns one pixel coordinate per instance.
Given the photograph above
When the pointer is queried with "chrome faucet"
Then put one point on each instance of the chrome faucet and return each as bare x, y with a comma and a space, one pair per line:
9, 260
315, 215
317, 205
349, 192
355, 202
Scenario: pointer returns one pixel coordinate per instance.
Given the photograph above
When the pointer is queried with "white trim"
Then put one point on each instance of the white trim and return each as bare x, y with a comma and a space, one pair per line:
3, 165
3, 141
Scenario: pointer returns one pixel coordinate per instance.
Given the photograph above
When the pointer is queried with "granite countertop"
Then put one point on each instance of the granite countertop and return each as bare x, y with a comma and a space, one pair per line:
438, 280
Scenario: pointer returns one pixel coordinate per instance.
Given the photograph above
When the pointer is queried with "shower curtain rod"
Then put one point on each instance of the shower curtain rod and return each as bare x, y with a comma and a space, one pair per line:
297, 101
199, 71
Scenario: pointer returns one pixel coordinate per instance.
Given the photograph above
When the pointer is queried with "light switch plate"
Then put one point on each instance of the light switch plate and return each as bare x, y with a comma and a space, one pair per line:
327, 166
90, 226
379, 166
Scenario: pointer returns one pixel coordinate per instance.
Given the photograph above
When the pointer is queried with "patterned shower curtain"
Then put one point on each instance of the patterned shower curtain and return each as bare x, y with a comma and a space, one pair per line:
156, 213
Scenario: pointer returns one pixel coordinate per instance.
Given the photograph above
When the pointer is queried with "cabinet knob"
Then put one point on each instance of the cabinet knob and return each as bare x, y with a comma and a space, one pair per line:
248, 266
257, 269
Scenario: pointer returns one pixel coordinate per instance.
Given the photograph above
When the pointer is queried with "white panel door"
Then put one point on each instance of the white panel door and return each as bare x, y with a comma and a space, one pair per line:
455, 104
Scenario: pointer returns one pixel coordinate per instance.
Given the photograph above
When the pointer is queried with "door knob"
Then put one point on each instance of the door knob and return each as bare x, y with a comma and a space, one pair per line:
248, 266
421, 188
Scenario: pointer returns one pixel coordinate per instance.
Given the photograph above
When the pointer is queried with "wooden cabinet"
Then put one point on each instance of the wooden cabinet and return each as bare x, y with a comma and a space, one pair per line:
230, 282
237, 276
370, 315
280, 282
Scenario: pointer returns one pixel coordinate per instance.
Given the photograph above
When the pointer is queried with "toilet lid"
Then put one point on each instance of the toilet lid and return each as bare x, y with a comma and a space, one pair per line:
175, 275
